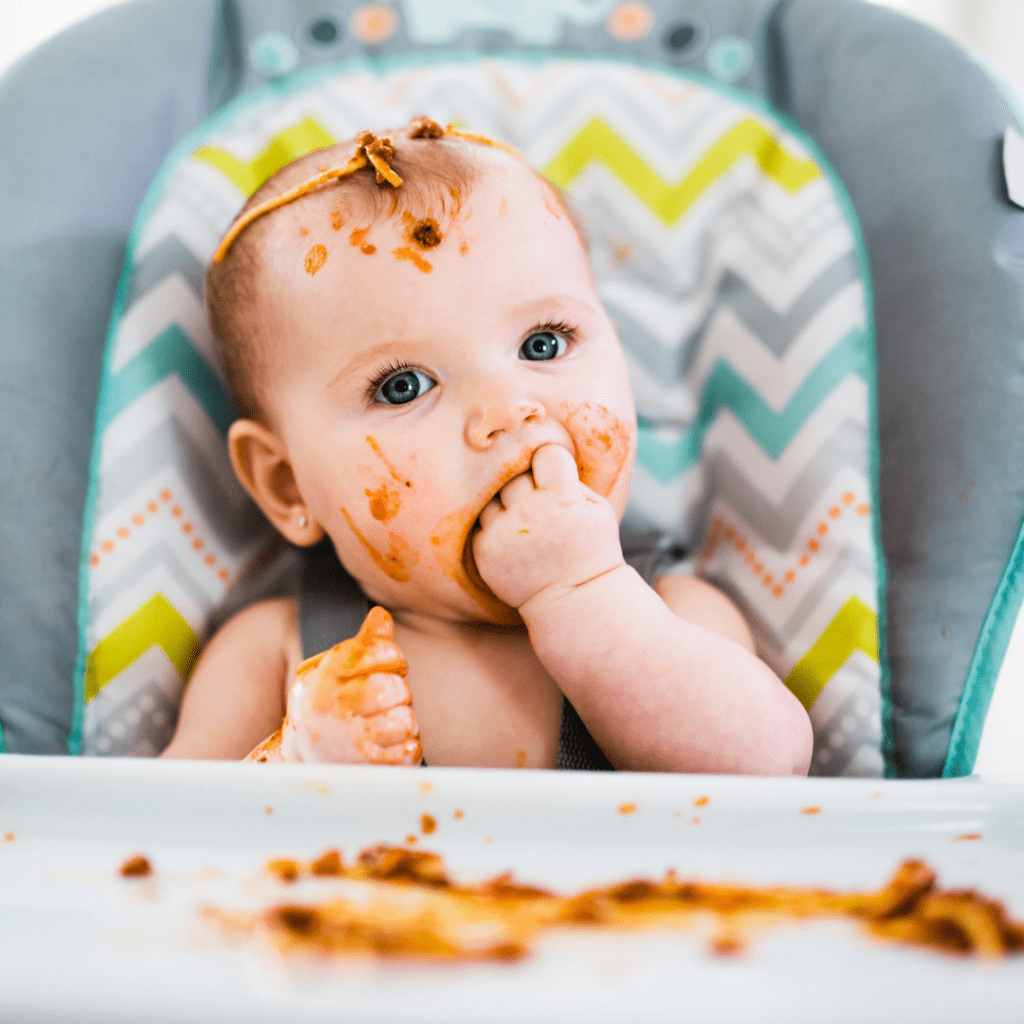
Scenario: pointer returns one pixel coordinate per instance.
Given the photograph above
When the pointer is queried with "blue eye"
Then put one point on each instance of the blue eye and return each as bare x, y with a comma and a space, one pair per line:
543, 345
403, 387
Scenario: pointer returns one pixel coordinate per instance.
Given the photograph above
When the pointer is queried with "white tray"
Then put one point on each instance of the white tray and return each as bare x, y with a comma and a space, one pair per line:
80, 944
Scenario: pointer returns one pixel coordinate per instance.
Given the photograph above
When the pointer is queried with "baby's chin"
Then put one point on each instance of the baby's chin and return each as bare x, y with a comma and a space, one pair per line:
463, 598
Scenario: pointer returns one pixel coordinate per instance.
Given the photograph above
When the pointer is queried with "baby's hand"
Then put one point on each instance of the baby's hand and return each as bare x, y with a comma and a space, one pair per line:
545, 532
352, 705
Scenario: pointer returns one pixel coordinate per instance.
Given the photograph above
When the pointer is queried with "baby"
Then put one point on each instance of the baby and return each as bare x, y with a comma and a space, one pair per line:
426, 375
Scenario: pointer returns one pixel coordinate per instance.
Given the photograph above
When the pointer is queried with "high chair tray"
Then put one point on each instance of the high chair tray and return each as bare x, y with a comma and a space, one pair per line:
80, 943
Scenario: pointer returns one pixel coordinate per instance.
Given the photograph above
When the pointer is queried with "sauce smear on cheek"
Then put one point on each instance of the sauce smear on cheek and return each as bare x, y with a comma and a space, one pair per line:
603, 446
395, 562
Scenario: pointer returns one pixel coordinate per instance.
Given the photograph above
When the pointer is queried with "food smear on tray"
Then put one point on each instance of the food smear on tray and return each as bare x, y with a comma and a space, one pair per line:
407, 907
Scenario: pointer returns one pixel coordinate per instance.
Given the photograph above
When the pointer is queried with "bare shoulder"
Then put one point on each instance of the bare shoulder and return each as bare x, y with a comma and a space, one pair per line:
700, 602
235, 696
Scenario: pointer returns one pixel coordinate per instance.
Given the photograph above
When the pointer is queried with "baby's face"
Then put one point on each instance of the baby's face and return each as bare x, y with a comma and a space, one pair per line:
409, 384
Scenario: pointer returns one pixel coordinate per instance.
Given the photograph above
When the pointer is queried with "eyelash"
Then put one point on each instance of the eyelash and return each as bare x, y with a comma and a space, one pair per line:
563, 327
382, 375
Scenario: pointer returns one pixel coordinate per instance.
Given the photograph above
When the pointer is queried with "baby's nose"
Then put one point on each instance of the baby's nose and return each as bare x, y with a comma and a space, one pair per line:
500, 409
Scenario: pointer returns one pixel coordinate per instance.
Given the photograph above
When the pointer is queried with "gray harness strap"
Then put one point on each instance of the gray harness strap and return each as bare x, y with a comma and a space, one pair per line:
332, 607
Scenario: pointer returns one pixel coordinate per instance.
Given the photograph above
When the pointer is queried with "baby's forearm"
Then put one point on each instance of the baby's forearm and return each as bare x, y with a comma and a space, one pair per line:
659, 693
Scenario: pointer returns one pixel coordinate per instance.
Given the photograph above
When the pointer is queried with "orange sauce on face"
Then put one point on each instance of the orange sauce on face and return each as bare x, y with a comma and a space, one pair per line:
315, 259
337, 218
394, 563
453, 552
406, 252
463, 248
604, 446
358, 236
383, 458
367, 249
384, 503
428, 824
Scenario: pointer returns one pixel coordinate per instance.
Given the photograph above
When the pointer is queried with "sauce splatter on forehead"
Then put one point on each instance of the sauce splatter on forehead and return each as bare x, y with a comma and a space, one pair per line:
315, 259
406, 252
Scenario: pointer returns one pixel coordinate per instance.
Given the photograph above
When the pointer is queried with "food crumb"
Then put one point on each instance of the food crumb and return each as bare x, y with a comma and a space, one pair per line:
286, 870
488, 839
9, 838
695, 821
426, 787
810, 810
457, 813
727, 944
268, 810
367, 248
627, 808
701, 801
136, 867
410, 838
315, 258
521, 759
967, 837
428, 823
328, 863
427, 234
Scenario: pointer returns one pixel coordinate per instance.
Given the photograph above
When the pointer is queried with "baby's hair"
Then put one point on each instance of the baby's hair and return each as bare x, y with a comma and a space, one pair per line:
427, 174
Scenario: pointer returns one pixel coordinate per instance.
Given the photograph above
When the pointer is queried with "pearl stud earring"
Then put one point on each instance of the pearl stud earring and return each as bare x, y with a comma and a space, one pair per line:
303, 522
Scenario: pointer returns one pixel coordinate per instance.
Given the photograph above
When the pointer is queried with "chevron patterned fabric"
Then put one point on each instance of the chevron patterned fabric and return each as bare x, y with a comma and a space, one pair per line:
723, 252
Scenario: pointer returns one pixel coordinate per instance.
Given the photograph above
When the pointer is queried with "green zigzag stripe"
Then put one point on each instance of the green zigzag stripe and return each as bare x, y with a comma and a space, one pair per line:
598, 141
855, 628
665, 460
156, 623
170, 352
295, 141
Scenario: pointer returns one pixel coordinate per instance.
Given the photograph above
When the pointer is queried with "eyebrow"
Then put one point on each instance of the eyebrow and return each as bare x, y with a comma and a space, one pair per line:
536, 307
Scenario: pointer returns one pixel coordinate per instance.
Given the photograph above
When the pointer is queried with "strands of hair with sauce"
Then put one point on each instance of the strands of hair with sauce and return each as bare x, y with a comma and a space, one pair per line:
374, 151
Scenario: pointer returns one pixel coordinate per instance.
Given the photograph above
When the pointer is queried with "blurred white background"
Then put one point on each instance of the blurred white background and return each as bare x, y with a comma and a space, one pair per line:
992, 28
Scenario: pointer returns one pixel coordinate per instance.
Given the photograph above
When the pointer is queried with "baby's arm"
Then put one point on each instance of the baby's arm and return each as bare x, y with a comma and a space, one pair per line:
349, 705
656, 691
235, 696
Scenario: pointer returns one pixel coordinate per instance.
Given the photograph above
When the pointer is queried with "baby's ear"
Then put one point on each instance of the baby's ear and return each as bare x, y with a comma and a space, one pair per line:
261, 464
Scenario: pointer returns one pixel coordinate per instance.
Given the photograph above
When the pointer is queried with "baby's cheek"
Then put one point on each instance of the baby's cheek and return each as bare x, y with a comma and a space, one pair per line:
604, 446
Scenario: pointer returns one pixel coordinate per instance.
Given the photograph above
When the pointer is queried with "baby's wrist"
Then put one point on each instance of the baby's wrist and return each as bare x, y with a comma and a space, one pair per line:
558, 605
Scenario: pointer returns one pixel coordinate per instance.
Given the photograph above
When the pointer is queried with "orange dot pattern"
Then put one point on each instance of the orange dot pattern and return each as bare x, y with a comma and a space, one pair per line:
154, 508
724, 533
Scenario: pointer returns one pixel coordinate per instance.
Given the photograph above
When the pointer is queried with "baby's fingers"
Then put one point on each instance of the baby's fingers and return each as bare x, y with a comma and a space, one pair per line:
394, 726
554, 469
377, 692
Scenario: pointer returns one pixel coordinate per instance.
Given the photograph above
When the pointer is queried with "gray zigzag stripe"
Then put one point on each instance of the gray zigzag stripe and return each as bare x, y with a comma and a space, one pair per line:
777, 524
767, 635
774, 331
161, 555
170, 256
237, 519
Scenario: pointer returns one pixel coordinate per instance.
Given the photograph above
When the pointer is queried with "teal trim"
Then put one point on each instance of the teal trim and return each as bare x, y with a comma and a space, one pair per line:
170, 352
773, 431
285, 87
3, 745
985, 665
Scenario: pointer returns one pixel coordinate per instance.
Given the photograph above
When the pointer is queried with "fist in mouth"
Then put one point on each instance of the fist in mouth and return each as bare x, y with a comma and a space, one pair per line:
545, 531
